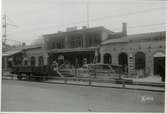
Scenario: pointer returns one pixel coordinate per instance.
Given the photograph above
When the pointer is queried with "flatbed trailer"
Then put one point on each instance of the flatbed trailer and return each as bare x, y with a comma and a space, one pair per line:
29, 72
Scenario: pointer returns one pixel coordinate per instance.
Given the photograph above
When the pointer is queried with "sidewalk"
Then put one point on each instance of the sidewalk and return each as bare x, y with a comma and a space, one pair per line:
112, 85
151, 83
149, 80
154, 79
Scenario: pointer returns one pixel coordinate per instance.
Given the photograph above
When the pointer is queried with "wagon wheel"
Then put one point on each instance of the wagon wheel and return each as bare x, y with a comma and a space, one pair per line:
19, 77
38, 79
28, 77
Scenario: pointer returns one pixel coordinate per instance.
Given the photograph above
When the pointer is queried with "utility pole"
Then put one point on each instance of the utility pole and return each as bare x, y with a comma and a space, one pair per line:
5, 31
87, 12
4, 34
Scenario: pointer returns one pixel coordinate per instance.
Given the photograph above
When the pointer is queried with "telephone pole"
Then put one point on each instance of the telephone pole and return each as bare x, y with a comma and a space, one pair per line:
4, 34
5, 31
87, 12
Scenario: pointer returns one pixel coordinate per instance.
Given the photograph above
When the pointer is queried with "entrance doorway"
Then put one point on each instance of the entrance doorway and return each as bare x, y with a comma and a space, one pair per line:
123, 60
140, 63
159, 65
107, 58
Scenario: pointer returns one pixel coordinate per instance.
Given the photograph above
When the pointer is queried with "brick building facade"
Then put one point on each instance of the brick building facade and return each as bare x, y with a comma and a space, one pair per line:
139, 53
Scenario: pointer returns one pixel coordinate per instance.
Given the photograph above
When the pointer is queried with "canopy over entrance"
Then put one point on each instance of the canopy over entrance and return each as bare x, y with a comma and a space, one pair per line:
75, 59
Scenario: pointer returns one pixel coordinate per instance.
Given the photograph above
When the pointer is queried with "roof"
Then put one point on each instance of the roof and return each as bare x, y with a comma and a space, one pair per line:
119, 40
10, 53
19, 50
127, 38
32, 46
77, 30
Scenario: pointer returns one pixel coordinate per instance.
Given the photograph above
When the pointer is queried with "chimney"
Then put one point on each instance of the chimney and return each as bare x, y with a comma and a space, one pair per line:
23, 44
124, 28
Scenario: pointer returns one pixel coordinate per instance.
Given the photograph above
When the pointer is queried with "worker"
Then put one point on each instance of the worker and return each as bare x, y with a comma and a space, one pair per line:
55, 65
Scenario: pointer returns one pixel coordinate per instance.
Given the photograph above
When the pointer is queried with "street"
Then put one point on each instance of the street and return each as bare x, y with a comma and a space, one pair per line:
35, 96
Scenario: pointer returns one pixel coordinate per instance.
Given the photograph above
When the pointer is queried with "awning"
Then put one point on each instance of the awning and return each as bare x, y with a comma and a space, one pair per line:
72, 50
10, 53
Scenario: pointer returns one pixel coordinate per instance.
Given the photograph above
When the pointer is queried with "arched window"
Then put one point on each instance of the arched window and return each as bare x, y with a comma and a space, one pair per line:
139, 60
9, 64
33, 61
123, 60
107, 58
25, 62
99, 58
40, 61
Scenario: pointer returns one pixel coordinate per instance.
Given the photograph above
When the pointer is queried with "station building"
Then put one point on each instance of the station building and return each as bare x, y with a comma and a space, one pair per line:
33, 55
75, 46
11, 58
142, 54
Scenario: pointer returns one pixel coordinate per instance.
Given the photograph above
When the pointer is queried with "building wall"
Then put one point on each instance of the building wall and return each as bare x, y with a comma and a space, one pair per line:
36, 53
74, 41
85, 37
149, 48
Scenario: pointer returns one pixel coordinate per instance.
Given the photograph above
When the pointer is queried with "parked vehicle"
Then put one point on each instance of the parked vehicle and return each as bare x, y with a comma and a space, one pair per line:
96, 71
29, 72
42, 72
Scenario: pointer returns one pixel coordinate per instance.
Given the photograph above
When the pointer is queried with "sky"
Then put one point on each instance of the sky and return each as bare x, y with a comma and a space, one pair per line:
33, 18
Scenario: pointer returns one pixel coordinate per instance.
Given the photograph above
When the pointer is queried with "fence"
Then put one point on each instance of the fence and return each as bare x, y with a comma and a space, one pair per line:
117, 82
65, 80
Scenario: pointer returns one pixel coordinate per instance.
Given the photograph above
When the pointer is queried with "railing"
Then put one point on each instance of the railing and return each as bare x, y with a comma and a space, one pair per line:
90, 80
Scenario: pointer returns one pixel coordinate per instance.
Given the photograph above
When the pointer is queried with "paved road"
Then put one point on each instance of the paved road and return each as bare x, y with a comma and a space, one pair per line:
33, 96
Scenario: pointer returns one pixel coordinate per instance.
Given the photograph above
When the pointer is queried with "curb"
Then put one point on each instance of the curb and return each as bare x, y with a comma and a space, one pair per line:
141, 89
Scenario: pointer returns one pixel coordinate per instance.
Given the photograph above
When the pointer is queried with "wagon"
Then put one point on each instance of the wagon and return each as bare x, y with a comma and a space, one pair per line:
35, 72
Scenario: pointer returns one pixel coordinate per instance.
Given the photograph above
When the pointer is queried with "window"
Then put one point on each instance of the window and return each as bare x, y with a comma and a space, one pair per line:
92, 39
25, 62
139, 60
9, 64
57, 43
40, 61
76, 41
60, 43
33, 62
107, 58
52, 45
96, 40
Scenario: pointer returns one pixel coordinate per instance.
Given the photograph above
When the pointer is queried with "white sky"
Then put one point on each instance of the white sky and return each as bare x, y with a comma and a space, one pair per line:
37, 17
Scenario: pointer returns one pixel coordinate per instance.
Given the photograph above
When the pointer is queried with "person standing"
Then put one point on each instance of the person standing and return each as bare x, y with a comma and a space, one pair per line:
162, 73
55, 66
